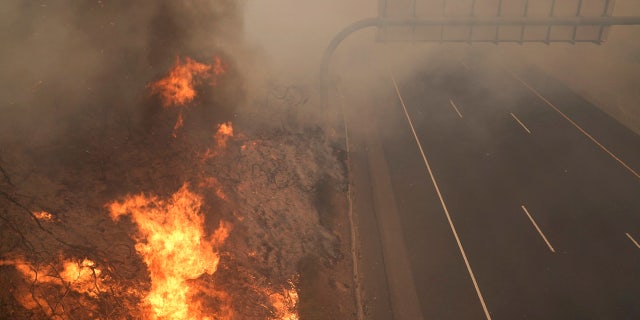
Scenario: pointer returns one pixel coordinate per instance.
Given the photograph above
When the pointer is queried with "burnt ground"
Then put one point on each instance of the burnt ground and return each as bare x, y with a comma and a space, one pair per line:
284, 186
325, 285
79, 129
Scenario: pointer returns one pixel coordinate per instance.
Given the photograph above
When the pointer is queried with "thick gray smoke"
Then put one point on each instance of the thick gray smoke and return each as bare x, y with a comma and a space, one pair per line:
293, 35
76, 65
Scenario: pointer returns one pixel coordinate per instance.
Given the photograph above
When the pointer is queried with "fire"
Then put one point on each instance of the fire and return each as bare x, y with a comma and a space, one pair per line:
178, 87
285, 304
43, 215
178, 125
222, 136
225, 131
80, 276
80, 271
175, 248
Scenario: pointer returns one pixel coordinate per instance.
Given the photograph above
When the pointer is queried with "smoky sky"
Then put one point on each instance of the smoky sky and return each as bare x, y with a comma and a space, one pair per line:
294, 35
71, 65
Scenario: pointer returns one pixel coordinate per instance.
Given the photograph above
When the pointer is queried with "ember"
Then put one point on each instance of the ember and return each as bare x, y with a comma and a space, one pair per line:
43, 215
178, 125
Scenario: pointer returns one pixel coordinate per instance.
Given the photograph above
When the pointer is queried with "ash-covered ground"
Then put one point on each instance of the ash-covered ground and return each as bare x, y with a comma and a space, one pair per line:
81, 129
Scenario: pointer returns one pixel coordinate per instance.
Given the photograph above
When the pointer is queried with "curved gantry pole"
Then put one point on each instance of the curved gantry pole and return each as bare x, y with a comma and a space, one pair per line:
333, 45
460, 21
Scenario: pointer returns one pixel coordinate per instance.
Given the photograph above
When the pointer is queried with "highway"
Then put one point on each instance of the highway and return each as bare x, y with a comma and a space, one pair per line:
480, 193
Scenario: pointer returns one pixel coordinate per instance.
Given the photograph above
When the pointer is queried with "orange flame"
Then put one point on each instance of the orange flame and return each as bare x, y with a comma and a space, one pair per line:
174, 246
225, 131
178, 88
178, 125
222, 136
81, 276
285, 304
43, 215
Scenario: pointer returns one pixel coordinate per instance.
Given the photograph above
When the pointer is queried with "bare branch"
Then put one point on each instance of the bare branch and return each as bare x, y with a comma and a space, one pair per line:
6, 176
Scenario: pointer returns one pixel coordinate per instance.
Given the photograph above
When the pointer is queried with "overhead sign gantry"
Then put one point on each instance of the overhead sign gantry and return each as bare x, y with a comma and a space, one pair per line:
493, 21
496, 21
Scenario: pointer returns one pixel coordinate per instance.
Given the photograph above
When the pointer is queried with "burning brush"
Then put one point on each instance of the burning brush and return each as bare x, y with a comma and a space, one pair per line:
178, 88
171, 238
114, 206
191, 217
175, 248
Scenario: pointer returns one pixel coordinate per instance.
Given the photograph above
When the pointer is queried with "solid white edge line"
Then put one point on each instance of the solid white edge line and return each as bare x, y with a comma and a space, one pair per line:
354, 233
520, 122
538, 228
455, 108
534, 91
633, 240
444, 206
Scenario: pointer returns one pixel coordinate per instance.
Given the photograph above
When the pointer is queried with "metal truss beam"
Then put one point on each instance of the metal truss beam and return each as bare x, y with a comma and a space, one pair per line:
603, 21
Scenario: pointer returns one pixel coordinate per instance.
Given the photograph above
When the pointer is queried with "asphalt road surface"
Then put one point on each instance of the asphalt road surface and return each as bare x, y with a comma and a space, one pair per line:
536, 213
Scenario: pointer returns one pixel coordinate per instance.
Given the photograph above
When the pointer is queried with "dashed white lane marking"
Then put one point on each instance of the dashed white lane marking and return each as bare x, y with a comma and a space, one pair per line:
534, 91
455, 108
633, 240
538, 228
466, 66
520, 122
444, 206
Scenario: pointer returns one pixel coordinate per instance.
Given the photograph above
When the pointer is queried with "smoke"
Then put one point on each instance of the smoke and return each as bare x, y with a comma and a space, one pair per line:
70, 65
74, 91
293, 34
606, 75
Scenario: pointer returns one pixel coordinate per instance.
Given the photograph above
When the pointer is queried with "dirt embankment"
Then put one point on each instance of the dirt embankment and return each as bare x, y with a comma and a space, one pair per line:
89, 153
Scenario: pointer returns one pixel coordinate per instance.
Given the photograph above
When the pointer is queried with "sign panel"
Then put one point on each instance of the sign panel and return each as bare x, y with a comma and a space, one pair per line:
441, 10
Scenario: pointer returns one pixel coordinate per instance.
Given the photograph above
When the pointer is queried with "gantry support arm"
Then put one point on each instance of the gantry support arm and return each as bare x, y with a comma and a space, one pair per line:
603, 21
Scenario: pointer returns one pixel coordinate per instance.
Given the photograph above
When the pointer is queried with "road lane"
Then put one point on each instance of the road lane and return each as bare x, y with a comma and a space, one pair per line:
442, 202
577, 126
488, 169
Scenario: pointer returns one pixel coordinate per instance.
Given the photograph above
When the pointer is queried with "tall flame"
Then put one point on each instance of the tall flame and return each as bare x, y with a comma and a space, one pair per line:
174, 246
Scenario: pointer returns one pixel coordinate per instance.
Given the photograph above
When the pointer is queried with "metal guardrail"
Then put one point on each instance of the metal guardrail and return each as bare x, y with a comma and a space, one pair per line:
523, 21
